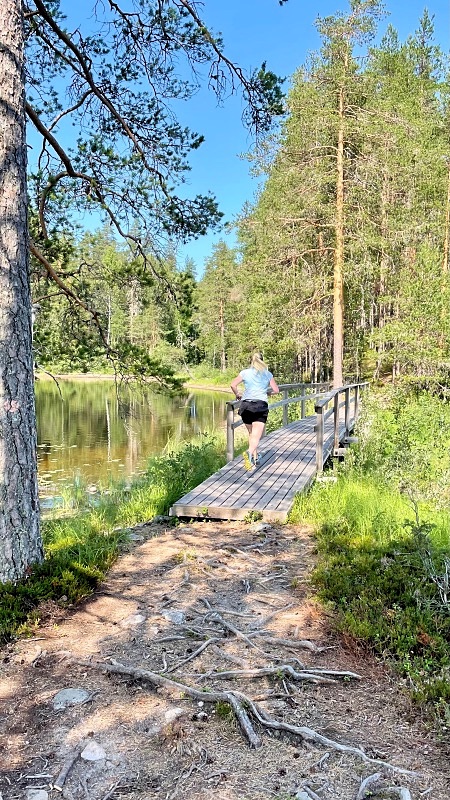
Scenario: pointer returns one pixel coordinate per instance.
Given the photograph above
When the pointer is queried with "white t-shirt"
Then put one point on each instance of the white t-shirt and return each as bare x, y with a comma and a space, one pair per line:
256, 383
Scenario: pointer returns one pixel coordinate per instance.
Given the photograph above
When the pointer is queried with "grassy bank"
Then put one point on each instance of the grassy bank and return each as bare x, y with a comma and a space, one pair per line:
383, 533
82, 544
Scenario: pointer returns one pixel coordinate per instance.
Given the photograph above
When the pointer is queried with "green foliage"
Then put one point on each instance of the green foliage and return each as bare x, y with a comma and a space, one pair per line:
79, 549
404, 439
396, 285
224, 711
148, 328
384, 540
211, 376
253, 516
219, 315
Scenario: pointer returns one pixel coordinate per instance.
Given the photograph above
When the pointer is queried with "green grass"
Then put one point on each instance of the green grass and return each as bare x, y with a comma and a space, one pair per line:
383, 536
80, 547
210, 376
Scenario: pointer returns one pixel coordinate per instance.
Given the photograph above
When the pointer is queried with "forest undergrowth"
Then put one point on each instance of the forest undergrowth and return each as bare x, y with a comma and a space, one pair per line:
383, 537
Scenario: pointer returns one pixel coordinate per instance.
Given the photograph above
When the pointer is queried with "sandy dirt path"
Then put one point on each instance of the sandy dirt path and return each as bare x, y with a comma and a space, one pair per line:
188, 604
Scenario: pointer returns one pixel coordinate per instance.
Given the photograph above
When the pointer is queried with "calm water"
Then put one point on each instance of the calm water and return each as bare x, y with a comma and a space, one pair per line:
93, 434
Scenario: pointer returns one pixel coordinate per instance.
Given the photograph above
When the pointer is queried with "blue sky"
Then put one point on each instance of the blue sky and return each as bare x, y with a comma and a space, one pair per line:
255, 31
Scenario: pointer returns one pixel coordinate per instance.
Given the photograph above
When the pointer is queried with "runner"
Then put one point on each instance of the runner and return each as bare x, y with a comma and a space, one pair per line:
254, 407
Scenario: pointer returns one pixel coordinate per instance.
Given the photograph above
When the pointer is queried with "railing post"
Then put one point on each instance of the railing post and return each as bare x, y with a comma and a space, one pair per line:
356, 408
347, 413
319, 439
285, 408
230, 431
336, 420
302, 402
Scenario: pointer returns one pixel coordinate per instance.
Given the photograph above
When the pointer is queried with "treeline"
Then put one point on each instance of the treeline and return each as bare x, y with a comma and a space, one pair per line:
344, 253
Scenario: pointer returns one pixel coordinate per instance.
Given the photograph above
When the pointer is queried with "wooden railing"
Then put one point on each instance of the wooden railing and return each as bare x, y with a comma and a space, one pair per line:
341, 398
307, 393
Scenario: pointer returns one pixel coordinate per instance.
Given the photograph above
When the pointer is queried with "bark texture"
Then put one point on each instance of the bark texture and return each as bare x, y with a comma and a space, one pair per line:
338, 283
20, 540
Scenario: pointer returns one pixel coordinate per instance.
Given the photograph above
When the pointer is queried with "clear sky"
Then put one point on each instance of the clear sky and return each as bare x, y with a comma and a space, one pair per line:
256, 31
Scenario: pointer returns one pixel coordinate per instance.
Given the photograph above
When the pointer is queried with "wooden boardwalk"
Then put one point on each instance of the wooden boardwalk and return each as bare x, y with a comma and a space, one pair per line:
288, 465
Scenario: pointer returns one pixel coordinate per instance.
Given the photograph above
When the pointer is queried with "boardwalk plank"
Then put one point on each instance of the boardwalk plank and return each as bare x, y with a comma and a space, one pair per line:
289, 466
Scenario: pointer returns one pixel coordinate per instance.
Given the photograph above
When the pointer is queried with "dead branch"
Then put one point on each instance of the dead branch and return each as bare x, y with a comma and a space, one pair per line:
265, 671
229, 626
310, 735
196, 653
228, 657
400, 791
372, 786
66, 767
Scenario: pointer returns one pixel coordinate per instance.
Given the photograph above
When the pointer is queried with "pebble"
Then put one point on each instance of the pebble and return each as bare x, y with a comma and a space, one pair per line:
173, 713
36, 794
69, 697
93, 752
178, 617
135, 537
259, 527
132, 621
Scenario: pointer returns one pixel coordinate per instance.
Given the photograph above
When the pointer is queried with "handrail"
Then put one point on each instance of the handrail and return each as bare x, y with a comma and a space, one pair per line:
322, 415
284, 388
320, 408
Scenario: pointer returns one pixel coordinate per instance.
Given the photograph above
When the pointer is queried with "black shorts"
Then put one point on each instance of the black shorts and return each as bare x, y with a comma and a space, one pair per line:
254, 411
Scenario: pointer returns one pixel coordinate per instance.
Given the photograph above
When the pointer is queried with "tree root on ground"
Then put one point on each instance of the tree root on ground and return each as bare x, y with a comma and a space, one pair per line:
373, 785
244, 710
313, 675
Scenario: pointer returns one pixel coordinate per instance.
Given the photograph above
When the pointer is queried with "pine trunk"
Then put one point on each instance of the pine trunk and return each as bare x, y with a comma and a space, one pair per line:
20, 541
338, 285
223, 357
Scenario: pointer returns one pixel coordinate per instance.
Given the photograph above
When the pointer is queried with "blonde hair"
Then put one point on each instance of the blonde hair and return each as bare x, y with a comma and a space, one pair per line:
258, 363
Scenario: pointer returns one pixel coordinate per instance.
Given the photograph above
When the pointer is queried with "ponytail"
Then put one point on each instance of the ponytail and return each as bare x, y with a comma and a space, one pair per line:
258, 363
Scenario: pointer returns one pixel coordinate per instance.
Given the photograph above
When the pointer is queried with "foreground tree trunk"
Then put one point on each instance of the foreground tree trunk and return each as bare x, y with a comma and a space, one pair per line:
20, 541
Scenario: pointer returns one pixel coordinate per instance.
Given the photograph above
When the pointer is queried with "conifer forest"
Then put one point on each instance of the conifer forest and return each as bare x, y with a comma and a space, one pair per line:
343, 256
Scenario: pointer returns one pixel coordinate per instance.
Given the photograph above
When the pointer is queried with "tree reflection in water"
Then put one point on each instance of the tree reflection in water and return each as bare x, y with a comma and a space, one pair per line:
96, 435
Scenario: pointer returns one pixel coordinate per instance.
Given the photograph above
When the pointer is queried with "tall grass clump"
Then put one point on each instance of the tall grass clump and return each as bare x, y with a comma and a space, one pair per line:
80, 546
383, 533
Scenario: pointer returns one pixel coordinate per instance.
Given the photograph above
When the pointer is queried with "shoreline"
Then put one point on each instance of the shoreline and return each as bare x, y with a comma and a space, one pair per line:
94, 376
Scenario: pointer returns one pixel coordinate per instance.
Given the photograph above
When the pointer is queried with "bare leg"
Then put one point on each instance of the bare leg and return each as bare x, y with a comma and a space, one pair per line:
257, 431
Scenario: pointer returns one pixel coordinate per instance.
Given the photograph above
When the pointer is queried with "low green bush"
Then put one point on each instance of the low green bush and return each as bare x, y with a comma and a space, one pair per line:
383, 535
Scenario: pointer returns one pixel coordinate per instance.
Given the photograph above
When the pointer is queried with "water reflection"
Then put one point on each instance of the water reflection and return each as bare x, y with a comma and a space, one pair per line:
93, 433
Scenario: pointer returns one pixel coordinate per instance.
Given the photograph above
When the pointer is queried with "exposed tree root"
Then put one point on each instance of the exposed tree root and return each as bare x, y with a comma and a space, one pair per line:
244, 708
373, 786
312, 675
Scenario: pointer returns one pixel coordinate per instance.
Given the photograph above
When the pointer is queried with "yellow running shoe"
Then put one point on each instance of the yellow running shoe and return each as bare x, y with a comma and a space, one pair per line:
248, 463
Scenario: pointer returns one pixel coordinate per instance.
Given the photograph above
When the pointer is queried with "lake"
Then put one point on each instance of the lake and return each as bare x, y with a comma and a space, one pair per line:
90, 433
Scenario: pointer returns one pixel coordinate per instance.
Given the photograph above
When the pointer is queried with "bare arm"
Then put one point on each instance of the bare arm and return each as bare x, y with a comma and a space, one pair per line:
234, 384
274, 386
